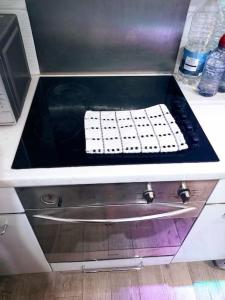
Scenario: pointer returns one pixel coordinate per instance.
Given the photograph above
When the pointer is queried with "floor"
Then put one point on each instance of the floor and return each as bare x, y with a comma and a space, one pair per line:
192, 281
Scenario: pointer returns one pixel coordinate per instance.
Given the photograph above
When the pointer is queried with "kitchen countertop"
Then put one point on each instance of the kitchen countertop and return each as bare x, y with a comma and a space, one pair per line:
210, 113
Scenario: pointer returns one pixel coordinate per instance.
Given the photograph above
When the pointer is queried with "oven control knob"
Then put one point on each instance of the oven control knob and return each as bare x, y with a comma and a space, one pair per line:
188, 125
183, 116
179, 103
195, 139
184, 192
50, 199
149, 194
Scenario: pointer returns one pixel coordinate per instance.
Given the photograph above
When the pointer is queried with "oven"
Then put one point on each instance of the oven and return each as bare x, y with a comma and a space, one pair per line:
98, 222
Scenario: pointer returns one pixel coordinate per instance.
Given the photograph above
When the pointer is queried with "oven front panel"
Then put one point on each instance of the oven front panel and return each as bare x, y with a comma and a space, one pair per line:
112, 221
110, 194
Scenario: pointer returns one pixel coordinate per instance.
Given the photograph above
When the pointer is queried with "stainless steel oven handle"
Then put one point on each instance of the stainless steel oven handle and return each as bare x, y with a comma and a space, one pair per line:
182, 209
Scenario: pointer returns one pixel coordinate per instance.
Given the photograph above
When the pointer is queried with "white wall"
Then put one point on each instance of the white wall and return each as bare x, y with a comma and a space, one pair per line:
18, 7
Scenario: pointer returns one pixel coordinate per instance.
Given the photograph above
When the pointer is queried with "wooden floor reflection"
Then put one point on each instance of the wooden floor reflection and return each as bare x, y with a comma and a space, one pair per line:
192, 281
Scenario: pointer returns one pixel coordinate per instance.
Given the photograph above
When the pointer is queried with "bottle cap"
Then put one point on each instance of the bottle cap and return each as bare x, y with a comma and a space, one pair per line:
222, 42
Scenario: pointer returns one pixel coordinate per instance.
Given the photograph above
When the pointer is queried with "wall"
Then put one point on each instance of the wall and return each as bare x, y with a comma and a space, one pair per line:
18, 7
89, 36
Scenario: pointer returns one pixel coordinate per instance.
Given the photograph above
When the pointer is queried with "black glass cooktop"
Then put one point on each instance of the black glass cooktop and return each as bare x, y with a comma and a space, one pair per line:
54, 132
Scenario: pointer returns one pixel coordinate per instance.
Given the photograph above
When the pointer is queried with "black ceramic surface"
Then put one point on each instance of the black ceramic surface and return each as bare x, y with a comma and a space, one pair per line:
54, 131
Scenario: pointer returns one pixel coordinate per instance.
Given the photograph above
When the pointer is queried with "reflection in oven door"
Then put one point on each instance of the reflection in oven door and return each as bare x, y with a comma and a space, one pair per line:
95, 233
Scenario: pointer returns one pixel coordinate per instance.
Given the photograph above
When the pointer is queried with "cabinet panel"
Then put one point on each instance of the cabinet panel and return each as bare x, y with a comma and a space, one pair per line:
9, 201
218, 195
206, 240
19, 249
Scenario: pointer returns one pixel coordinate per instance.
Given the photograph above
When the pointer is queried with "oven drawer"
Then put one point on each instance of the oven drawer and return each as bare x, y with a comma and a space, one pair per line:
111, 194
111, 265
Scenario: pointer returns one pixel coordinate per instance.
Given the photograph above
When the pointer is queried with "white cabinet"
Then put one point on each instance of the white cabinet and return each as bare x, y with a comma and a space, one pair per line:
218, 195
9, 201
206, 240
19, 249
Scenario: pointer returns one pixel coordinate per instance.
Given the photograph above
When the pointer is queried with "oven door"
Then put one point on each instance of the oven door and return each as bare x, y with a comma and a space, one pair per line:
85, 233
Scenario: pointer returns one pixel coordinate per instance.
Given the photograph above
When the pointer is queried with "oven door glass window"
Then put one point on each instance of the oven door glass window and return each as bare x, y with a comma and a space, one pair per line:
111, 232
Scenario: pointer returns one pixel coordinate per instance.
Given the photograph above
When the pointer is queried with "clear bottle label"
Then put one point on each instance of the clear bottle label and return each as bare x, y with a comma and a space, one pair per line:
193, 62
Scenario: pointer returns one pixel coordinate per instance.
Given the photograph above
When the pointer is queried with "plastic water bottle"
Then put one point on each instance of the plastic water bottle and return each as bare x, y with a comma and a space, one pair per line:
221, 87
197, 47
213, 70
221, 27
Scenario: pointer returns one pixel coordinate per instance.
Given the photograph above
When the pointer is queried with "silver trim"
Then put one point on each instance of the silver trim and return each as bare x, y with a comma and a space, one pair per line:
103, 74
50, 199
131, 268
182, 209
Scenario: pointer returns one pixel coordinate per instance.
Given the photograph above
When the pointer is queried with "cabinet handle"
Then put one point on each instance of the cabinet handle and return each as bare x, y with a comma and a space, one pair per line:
3, 229
132, 268
3, 225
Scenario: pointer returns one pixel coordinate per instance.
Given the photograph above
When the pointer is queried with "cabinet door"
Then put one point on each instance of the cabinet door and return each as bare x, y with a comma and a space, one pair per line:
218, 195
19, 249
9, 201
206, 240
